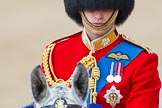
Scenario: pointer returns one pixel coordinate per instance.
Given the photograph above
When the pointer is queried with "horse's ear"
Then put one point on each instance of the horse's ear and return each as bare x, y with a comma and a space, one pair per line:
80, 81
38, 84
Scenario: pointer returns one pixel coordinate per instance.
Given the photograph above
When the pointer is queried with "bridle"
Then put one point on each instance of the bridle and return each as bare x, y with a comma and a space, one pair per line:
61, 103
61, 100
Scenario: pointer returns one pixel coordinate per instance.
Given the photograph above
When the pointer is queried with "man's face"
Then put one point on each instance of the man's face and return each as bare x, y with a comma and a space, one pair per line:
97, 18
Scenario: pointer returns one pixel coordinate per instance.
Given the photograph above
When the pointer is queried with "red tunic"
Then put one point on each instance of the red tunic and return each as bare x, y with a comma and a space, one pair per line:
140, 83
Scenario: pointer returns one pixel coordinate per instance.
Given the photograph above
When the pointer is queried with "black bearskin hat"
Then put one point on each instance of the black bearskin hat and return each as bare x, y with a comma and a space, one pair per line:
73, 7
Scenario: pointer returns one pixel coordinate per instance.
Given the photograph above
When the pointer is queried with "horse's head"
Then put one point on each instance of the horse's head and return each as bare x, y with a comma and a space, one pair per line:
60, 96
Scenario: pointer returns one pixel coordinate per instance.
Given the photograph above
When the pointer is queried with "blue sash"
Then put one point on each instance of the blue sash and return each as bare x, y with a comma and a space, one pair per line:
104, 63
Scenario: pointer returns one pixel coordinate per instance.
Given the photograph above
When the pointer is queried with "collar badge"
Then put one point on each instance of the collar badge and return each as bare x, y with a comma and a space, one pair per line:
105, 41
113, 96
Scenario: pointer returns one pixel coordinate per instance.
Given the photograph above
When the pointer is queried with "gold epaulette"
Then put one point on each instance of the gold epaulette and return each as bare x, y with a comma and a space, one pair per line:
136, 43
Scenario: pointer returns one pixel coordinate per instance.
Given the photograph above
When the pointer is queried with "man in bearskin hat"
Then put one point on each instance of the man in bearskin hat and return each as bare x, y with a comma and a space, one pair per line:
122, 72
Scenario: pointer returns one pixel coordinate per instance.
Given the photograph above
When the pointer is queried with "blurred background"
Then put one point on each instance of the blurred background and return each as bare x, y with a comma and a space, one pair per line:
26, 26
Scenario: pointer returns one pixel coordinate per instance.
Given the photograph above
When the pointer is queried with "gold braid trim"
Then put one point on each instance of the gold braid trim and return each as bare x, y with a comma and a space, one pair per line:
137, 43
90, 63
45, 63
48, 68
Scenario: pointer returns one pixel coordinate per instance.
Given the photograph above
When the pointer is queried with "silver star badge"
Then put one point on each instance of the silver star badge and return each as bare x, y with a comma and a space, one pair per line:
113, 96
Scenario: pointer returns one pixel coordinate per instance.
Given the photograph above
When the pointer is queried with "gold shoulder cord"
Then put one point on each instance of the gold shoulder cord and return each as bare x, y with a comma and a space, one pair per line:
48, 68
136, 43
90, 63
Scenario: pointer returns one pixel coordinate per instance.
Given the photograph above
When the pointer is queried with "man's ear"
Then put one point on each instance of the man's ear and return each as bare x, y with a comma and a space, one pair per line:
39, 85
80, 82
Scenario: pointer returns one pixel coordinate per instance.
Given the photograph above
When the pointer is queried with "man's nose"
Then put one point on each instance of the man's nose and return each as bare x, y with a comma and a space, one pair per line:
98, 15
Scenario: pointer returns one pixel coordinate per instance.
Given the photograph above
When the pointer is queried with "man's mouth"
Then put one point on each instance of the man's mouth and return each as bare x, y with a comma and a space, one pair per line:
98, 24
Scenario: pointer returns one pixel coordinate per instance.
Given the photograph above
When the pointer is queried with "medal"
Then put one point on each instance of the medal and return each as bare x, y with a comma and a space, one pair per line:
113, 96
118, 70
110, 78
117, 77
